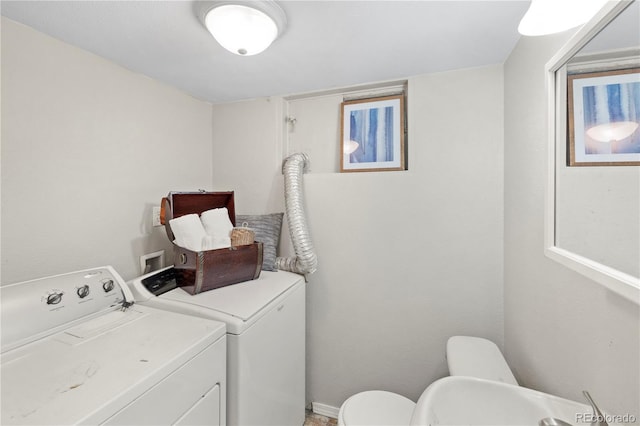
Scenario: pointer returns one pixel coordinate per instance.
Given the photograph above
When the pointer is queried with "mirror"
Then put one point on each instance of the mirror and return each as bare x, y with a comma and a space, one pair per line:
593, 209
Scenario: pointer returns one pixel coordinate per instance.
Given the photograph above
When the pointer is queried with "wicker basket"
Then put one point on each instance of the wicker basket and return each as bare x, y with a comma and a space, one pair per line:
242, 236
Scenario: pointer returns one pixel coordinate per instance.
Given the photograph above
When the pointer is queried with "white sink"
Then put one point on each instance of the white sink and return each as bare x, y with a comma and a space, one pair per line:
458, 400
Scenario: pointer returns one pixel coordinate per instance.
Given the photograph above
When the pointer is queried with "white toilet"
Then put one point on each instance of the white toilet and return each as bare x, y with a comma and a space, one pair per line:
466, 356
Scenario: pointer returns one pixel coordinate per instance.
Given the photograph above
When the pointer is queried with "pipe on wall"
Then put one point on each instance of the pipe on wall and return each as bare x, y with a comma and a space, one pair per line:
305, 260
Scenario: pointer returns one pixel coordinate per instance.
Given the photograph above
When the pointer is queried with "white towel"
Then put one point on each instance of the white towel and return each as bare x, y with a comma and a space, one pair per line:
188, 231
212, 243
217, 223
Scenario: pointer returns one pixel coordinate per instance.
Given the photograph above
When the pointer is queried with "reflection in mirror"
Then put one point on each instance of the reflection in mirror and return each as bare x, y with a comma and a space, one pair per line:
598, 208
593, 224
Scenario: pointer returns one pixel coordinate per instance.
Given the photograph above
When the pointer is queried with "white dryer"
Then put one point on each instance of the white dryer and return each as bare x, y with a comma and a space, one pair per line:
265, 321
76, 350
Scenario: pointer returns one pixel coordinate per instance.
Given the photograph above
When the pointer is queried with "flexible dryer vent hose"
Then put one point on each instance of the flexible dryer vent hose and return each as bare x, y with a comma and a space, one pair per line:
305, 262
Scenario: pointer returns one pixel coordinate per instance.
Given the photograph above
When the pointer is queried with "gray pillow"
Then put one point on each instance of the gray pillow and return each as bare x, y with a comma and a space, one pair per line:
267, 228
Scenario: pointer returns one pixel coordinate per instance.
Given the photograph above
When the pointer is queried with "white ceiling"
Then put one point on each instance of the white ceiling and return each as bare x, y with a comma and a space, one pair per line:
327, 44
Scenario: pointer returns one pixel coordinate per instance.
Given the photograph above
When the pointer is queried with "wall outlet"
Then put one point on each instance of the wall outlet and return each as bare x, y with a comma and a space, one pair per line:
155, 219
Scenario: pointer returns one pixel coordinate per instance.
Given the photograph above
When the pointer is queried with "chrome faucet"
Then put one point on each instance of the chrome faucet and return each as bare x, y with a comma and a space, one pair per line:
598, 417
551, 421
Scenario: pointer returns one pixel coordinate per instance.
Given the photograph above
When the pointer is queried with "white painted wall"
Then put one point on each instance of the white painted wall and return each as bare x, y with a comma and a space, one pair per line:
406, 259
247, 155
316, 138
563, 332
87, 149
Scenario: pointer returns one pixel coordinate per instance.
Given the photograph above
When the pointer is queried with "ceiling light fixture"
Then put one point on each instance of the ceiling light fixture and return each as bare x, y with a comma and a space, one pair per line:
245, 27
554, 16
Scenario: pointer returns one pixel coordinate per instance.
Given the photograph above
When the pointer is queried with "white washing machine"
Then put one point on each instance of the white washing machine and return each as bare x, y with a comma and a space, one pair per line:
265, 321
76, 350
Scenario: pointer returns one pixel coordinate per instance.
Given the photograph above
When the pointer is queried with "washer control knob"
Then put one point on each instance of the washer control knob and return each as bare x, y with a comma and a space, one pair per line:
54, 298
107, 285
83, 291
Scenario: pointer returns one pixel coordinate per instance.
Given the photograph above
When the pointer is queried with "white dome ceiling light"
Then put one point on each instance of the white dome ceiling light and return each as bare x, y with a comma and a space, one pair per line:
245, 27
554, 16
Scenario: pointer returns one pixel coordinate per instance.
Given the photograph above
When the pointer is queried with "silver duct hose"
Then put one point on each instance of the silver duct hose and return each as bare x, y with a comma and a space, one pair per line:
305, 262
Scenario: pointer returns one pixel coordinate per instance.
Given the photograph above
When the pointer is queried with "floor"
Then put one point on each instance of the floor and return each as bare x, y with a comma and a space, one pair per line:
313, 419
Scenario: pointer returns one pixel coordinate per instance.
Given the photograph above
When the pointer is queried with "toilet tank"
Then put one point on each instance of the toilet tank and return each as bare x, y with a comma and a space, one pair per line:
477, 357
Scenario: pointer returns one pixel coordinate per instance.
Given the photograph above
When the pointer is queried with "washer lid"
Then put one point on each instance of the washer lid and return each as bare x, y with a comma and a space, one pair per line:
245, 300
377, 408
87, 373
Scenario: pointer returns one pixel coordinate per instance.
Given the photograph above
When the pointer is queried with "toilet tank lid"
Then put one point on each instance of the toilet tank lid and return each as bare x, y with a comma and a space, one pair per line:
477, 357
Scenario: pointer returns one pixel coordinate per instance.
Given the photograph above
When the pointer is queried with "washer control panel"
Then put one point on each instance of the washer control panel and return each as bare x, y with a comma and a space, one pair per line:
97, 287
50, 303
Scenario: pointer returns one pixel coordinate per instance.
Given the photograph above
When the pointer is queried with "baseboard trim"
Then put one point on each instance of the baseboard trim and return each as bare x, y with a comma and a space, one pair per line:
325, 410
